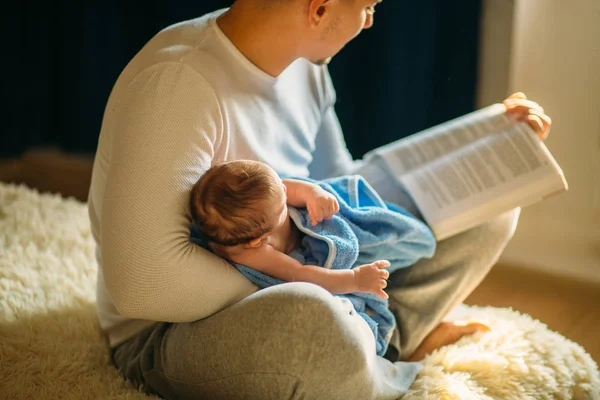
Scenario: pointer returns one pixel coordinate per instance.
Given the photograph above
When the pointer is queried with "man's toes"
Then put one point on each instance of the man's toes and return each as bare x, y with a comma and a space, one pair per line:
468, 327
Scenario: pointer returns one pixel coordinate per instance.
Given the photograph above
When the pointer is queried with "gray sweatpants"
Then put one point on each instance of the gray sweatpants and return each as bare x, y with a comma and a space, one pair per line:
297, 341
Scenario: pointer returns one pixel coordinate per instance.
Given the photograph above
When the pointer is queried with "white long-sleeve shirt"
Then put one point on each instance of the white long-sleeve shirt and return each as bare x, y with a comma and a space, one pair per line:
187, 100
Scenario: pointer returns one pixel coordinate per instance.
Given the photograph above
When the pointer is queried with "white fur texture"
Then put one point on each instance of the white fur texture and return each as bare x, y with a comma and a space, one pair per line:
51, 346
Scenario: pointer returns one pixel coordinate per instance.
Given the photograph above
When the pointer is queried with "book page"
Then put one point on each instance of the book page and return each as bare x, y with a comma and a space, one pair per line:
409, 153
491, 175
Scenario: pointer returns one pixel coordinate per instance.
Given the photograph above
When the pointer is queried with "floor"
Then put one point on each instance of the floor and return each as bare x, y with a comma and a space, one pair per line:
569, 307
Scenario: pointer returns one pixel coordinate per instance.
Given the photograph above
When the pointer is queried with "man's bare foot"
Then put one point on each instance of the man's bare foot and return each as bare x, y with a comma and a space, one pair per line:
444, 334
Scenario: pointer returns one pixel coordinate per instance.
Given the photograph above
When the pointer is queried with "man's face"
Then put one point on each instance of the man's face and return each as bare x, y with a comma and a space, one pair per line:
342, 21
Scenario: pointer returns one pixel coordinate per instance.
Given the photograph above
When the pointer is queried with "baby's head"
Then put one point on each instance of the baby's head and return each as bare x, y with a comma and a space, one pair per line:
237, 202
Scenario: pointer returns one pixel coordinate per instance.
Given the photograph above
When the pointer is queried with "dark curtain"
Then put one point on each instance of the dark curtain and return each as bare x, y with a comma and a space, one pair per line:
415, 68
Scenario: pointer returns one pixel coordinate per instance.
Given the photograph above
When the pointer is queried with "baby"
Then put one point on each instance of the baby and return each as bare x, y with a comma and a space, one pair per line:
241, 207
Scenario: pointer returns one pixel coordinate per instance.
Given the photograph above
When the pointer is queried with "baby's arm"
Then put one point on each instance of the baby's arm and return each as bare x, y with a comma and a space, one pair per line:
319, 203
369, 278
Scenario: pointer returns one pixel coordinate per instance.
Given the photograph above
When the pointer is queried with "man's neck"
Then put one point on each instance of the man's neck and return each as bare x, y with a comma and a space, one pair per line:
264, 37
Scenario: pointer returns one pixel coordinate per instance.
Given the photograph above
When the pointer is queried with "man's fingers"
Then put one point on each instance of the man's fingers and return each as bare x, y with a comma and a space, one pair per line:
517, 112
546, 121
530, 111
520, 105
518, 95
535, 121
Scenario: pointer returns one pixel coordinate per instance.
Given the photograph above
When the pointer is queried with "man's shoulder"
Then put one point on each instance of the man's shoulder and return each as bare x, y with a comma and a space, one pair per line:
183, 44
194, 25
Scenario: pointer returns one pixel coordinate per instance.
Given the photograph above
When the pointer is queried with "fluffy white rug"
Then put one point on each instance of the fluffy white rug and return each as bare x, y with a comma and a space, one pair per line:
51, 346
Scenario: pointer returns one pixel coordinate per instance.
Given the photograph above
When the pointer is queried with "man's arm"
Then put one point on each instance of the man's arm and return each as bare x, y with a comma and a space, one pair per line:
167, 129
331, 157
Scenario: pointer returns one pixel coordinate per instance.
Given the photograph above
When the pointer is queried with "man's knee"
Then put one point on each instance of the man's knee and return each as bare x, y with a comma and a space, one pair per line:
482, 246
494, 235
320, 339
311, 314
504, 225
292, 338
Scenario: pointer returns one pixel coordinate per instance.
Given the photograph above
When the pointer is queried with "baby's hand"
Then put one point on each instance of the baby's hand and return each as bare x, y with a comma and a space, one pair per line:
371, 278
321, 206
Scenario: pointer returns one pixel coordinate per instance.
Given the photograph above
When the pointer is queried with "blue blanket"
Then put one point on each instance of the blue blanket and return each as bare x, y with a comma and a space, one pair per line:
365, 229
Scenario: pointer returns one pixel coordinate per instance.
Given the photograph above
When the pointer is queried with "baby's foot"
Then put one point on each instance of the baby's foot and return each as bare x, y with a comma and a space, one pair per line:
444, 334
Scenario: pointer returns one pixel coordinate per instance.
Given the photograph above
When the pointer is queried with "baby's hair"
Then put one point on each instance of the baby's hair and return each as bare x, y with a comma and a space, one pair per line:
229, 203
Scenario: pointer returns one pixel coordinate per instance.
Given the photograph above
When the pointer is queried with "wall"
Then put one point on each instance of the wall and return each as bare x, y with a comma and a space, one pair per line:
552, 50
495, 50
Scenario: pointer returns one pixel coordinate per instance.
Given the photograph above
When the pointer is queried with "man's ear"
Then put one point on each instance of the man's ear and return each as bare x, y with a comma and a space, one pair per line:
253, 243
317, 9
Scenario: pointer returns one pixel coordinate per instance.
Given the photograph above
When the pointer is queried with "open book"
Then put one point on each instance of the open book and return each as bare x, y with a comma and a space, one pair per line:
468, 170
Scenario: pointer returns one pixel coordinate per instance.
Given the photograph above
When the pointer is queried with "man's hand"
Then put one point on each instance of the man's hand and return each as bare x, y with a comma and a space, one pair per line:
321, 205
518, 106
371, 278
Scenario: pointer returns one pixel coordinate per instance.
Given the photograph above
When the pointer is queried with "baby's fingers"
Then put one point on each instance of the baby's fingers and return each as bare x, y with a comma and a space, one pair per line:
329, 209
315, 215
382, 284
381, 264
384, 274
382, 294
319, 214
313, 218
335, 206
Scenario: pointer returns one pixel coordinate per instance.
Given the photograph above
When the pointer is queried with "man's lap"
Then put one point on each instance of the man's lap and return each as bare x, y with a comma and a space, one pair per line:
293, 338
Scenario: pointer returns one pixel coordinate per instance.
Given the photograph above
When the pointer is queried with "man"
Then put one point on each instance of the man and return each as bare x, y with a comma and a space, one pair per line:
250, 83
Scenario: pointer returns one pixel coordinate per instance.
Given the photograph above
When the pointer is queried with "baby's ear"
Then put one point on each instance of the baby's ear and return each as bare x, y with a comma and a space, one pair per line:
253, 243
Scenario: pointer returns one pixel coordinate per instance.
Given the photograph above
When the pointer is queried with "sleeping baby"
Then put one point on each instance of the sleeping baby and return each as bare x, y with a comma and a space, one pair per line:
336, 233
241, 207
